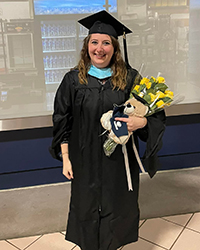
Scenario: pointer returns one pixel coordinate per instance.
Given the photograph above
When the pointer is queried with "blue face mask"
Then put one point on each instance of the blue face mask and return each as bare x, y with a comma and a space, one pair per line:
100, 73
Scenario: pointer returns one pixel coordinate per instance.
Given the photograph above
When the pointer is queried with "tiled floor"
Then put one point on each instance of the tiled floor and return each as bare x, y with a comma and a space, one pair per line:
181, 232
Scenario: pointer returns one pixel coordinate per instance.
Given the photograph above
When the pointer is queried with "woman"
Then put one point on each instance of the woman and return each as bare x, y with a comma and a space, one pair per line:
103, 215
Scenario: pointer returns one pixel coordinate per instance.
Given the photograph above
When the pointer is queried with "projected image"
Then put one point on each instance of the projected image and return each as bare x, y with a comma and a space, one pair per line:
194, 38
58, 7
36, 53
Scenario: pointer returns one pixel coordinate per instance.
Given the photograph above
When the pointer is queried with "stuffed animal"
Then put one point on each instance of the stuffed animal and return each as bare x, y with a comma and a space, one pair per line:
118, 130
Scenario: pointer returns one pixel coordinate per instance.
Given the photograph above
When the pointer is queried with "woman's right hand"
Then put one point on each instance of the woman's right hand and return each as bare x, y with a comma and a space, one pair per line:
67, 167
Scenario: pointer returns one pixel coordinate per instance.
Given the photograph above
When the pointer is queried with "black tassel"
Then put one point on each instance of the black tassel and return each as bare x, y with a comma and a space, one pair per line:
125, 48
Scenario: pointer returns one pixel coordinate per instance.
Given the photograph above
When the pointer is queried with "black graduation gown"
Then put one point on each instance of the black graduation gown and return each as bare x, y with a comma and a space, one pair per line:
103, 215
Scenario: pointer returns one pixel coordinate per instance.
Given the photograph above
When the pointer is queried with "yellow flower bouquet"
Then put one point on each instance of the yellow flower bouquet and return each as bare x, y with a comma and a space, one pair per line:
155, 92
155, 96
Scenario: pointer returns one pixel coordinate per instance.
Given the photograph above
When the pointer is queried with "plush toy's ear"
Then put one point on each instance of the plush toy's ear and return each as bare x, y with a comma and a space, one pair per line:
139, 99
105, 120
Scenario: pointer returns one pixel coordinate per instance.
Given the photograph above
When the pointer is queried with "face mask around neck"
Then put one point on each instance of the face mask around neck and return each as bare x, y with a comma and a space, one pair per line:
100, 73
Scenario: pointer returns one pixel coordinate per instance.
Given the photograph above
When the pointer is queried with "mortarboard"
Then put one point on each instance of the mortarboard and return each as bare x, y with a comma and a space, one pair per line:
104, 23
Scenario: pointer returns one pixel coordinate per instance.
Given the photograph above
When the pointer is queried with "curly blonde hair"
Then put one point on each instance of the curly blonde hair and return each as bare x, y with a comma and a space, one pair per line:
117, 65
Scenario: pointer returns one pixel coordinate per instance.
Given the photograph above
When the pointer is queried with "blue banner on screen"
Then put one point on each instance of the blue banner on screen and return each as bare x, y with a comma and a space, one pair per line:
194, 4
60, 7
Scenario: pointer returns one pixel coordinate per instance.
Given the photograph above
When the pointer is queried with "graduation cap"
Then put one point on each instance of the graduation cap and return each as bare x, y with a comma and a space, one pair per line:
104, 23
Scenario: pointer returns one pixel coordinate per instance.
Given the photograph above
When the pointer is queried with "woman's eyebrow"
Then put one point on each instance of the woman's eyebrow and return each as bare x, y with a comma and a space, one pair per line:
94, 39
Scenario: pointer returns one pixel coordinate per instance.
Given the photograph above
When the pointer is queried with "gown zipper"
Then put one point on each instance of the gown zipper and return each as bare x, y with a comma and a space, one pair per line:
102, 88
100, 170
100, 164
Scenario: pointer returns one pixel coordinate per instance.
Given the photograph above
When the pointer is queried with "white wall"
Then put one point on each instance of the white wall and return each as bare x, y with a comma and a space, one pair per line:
14, 10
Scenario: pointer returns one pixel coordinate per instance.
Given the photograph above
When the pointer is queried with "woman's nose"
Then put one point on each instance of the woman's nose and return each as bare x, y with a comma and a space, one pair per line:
99, 47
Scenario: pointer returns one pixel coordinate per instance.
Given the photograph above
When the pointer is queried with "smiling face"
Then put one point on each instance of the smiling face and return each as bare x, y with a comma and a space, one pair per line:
100, 50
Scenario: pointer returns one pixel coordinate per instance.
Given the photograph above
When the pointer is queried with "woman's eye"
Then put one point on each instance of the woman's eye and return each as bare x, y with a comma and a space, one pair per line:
103, 43
106, 43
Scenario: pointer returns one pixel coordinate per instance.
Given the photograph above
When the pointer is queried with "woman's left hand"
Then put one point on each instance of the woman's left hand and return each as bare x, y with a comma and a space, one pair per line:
133, 122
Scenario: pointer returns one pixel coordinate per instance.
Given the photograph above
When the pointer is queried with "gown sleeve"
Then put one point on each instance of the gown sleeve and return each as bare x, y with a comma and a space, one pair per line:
62, 116
152, 133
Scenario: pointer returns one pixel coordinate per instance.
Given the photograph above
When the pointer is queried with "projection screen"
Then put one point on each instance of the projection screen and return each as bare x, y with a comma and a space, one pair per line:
40, 40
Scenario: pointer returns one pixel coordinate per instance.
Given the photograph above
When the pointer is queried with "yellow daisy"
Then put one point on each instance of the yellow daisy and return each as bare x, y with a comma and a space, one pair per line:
160, 104
148, 84
154, 79
161, 79
160, 94
153, 97
144, 81
169, 93
137, 87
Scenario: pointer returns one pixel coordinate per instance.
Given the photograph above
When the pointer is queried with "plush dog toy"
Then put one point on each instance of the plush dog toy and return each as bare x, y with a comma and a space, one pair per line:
118, 130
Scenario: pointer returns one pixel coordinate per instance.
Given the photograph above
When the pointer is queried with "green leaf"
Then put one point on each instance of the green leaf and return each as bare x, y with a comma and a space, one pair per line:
161, 86
153, 91
167, 99
143, 86
154, 107
152, 80
153, 84
134, 91
147, 98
